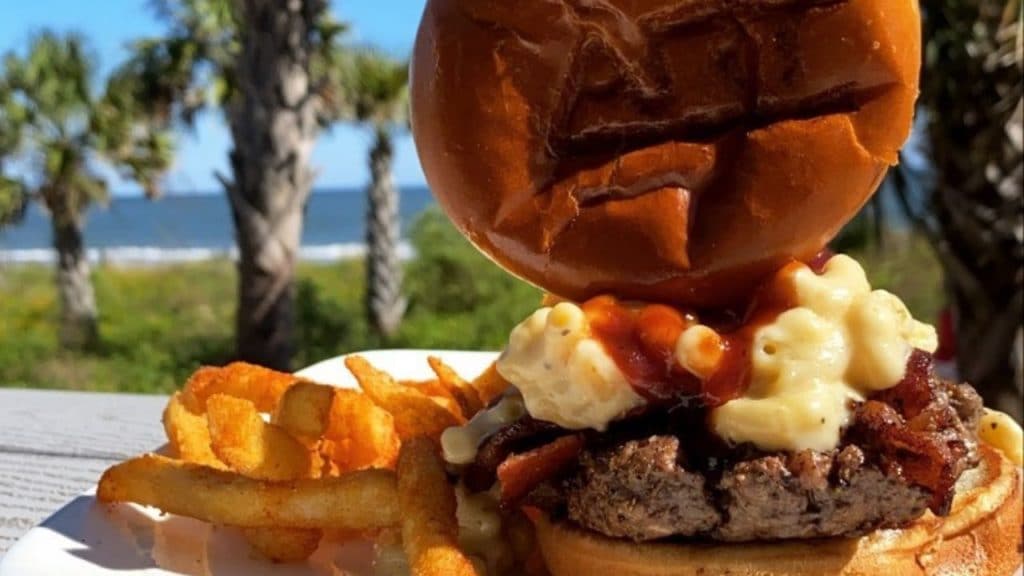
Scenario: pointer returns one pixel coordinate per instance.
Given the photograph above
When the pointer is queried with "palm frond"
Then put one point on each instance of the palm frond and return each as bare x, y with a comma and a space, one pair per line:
376, 88
13, 200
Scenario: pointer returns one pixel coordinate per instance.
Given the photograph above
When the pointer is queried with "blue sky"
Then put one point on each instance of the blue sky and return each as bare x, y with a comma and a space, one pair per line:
111, 24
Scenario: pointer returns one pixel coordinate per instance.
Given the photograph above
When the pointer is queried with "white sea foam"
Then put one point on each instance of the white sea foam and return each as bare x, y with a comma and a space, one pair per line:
148, 255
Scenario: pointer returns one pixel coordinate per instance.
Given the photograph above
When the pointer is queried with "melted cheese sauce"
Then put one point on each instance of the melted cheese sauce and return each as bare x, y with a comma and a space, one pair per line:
839, 343
459, 444
480, 532
1001, 432
564, 374
819, 342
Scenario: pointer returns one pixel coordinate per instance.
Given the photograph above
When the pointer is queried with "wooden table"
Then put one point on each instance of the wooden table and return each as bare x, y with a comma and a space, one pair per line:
54, 445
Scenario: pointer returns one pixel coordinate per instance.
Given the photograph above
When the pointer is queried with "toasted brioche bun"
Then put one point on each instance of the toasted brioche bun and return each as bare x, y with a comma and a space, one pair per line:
982, 535
665, 150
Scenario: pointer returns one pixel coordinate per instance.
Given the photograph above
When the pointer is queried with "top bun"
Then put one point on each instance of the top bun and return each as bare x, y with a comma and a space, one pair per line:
668, 150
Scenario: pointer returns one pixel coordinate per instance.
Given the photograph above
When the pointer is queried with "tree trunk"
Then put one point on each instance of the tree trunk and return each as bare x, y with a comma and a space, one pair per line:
273, 125
385, 304
977, 208
78, 313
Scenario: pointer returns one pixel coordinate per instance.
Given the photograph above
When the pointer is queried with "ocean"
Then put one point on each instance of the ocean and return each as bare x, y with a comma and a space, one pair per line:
189, 227
186, 227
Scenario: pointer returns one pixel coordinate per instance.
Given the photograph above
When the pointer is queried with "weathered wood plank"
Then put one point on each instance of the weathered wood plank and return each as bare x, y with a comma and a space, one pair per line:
106, 426
54, 445
32, 487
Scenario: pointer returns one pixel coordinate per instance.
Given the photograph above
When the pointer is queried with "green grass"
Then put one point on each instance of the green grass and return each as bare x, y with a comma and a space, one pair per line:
158, 323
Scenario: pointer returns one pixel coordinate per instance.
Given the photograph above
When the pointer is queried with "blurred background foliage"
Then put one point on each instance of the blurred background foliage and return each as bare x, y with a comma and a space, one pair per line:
159, 323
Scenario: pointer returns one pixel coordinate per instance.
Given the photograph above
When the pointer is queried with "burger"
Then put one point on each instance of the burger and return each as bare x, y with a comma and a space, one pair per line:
706, 389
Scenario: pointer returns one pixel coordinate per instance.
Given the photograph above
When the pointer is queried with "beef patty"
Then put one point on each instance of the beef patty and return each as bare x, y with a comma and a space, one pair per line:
645, 488
638, 490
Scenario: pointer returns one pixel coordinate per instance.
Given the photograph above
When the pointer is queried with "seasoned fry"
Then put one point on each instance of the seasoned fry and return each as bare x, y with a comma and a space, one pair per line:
261, 386
286, 482
360, 434
247, 444
490, 384
305, 410
263, 451
430, 531
431, 387
188, 435
356, 501
450, 406
415, 413
283, 544
462, 391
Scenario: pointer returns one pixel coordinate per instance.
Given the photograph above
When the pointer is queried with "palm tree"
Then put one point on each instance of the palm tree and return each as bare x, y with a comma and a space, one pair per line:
974, 214
60, 128
271, 68
13, 199
378, 94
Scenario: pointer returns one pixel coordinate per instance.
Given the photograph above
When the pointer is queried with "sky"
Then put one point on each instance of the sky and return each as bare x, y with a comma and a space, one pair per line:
340, 156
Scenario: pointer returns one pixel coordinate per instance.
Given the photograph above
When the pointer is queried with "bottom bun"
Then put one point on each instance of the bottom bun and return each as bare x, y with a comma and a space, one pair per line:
982, 535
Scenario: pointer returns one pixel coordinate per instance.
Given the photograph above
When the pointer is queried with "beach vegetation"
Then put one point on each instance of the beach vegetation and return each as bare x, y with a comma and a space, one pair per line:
55, 127
272, 69
378, 93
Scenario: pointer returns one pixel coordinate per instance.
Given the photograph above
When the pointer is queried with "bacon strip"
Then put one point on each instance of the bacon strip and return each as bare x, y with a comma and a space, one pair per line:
520, 436
920, 457
916, 391
521, 473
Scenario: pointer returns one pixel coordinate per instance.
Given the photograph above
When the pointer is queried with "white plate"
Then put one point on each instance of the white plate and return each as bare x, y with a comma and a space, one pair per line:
85, 538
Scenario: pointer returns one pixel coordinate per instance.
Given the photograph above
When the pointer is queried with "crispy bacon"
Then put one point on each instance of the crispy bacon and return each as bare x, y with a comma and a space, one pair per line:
520, 436
521, 473
922, 457
917, 390
916, 431
947, 446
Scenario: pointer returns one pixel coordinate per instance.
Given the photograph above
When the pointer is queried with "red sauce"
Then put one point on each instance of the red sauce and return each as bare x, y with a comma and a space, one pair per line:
818, 262
642, 342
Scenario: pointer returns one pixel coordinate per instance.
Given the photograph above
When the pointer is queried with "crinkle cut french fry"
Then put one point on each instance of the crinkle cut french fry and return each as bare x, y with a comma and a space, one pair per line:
189, 438
188, 434
430, 387
242, 440
490, 384
461, 390
415, 413
363, 500
430, 530
360, 434
261, 386
283, 544
304, 410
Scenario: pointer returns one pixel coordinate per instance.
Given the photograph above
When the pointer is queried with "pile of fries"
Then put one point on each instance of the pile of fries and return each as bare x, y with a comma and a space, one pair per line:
287, 460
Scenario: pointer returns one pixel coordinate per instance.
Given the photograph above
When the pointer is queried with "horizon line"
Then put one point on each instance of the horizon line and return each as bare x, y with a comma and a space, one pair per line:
330, 189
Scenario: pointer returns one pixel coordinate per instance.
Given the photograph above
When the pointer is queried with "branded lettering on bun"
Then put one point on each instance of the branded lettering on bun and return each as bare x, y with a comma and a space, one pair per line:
669, 151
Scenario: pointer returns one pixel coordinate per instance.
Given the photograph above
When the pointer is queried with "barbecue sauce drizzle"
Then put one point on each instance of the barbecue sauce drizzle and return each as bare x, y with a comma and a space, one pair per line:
642, 340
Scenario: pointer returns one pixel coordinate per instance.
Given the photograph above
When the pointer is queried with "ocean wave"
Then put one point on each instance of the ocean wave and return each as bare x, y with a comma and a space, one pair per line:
142, 255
